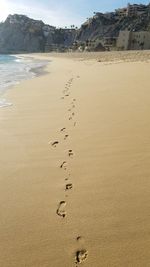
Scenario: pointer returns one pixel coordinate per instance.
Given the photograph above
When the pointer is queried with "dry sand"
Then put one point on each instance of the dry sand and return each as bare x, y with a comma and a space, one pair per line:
83, 192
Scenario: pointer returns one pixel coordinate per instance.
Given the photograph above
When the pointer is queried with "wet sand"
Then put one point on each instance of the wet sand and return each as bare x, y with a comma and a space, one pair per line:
74, 165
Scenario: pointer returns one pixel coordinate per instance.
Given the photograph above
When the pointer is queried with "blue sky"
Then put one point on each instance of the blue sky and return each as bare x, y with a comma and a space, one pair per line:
60, 12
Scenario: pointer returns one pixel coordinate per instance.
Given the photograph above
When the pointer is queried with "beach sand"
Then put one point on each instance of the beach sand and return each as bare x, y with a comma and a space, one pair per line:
75, 164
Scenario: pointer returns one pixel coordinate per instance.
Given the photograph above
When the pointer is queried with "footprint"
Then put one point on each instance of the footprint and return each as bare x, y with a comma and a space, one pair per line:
81, 255
70, 118
79, 238
55, 143
73, 113
70, 153
63, 165
61, 209
62, 129
74, 124
66, 136
68, 187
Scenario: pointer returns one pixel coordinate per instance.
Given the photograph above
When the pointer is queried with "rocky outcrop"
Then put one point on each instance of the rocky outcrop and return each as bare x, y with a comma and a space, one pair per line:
60, 39
108, 25
22, 34
98, 26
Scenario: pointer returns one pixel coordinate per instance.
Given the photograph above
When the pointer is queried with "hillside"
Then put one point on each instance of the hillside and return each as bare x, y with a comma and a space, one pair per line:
22, 34
103, 25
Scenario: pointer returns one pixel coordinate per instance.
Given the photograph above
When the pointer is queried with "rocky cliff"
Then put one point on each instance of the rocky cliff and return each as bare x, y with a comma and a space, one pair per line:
109, 24
22, 34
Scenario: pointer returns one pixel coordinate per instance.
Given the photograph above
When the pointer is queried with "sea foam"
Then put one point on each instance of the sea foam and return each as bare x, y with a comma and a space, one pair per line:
14, 69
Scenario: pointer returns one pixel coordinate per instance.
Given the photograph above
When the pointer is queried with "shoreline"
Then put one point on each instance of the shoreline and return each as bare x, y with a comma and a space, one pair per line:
31, 72
74, 172
101, 57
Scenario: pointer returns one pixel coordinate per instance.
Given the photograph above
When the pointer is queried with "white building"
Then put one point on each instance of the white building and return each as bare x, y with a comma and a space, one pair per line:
128, 40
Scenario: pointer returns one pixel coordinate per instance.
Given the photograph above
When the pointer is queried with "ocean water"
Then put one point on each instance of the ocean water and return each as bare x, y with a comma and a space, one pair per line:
14, 69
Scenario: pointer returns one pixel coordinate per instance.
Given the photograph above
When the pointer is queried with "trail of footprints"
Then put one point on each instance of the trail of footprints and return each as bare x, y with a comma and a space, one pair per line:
80, 254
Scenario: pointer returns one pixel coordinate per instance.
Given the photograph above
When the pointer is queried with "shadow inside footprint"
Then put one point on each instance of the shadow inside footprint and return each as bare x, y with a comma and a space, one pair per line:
63, 129
81, 255
61, 209
55, 143
63, 165
69, 186
66, 136
70, 153
79, 238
